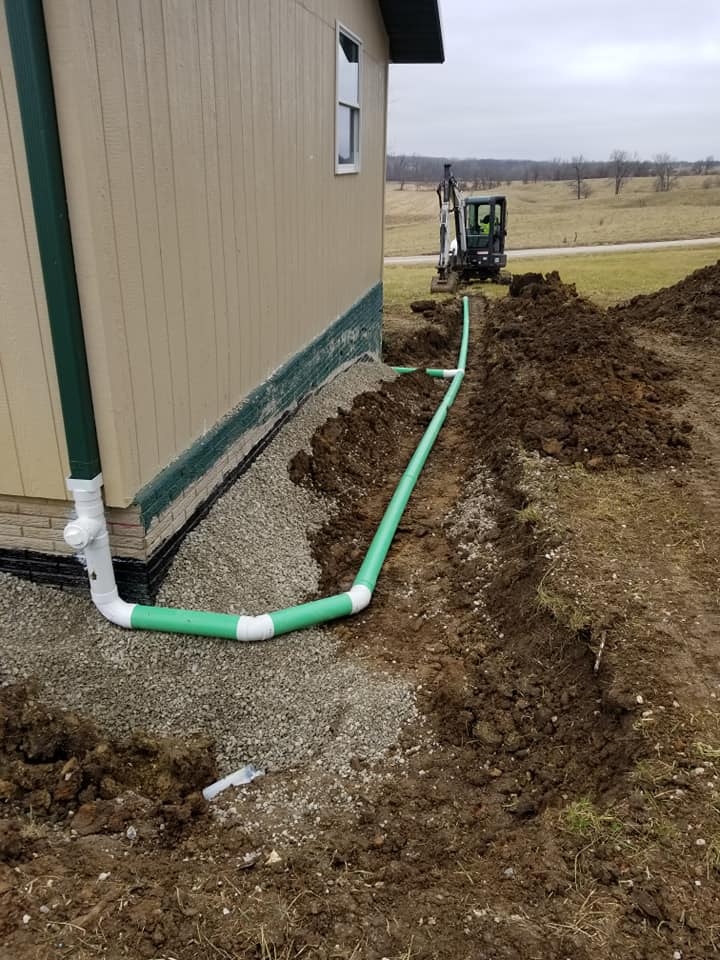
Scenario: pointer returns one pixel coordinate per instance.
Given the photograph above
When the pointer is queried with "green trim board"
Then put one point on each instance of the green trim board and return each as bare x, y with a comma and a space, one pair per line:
33, 79
354, 334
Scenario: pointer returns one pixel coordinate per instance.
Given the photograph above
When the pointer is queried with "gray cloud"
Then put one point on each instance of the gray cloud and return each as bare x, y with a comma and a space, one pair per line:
543, 78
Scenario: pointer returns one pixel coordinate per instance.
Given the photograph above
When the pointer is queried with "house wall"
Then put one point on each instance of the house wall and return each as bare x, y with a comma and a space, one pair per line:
33, 457
212, 238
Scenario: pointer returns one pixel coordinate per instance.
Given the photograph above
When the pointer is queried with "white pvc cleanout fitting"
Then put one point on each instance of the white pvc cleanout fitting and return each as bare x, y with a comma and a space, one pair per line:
88, 534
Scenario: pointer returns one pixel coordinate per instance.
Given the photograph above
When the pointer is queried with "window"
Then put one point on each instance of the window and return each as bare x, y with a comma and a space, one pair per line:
347, 113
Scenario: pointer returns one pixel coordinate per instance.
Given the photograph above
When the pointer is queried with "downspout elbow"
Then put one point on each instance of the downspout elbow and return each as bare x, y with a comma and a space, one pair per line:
114, 608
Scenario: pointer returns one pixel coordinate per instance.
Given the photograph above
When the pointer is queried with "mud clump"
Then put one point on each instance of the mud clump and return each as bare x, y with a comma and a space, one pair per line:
690, 308
566, 378
52, 762
530, 283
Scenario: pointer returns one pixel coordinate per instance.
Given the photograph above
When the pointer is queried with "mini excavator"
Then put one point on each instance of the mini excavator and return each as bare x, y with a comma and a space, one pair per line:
478, 250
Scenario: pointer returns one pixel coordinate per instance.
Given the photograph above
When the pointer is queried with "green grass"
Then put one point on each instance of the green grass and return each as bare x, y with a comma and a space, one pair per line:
530, 515
606, 278
562, 609
706, 751
547, 215
402, 285
583, 819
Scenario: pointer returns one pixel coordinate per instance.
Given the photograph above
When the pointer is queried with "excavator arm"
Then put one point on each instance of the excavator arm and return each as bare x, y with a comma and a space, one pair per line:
451, 201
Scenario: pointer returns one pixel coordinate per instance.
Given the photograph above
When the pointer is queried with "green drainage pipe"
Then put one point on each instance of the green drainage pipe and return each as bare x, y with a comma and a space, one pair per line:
430, 371
89, 533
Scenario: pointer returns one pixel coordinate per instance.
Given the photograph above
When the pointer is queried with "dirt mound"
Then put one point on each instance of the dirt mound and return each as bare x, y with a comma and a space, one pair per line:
434, 344
566, 378
357, 458
690, 307
52, 762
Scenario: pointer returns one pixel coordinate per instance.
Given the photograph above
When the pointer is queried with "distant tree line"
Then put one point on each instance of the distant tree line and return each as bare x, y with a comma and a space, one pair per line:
489, 173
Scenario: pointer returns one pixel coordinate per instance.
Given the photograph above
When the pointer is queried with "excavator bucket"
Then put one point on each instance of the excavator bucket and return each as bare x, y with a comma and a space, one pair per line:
448, 285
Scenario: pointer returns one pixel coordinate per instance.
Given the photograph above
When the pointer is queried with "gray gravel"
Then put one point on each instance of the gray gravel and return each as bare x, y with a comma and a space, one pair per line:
289, 702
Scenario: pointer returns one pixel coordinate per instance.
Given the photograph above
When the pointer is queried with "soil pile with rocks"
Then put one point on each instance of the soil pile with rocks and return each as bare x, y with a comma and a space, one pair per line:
56, 764
566, 378
690, 307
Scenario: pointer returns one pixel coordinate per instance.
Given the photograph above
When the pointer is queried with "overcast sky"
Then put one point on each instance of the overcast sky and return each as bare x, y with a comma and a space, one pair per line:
535, 79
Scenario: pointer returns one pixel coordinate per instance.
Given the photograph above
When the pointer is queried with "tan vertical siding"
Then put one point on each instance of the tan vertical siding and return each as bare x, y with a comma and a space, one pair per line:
213, 239
33, 460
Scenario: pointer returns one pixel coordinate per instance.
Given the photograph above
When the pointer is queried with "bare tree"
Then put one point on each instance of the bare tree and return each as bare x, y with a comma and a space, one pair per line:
580, 187
704, 167
401, 170
622, 167
665, 172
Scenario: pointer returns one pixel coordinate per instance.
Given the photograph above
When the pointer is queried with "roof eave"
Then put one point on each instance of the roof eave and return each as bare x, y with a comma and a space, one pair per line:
414, 30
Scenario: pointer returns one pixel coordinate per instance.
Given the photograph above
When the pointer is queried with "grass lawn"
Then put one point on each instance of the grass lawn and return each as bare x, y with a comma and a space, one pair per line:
605, 278
546, 214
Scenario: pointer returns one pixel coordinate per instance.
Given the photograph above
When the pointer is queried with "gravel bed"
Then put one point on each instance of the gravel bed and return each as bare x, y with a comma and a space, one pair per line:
289, 702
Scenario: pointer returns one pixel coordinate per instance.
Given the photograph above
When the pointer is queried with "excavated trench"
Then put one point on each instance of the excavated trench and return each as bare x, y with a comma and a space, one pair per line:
459, 597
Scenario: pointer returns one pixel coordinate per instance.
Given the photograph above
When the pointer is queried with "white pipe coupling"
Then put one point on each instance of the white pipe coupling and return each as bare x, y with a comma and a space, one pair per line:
255, 628
360, 597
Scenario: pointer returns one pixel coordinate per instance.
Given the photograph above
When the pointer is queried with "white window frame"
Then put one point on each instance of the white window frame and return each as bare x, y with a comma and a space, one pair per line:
341, 168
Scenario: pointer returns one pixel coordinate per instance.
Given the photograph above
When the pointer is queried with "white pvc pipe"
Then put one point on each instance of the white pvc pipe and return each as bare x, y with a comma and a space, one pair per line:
88, 533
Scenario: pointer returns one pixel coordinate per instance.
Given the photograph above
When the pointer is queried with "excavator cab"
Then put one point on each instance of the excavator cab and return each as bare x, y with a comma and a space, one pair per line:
485, 224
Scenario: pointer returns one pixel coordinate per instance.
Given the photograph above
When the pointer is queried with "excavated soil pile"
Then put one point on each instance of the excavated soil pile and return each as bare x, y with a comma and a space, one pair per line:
434, 344
52, 762
690, 308
357, 458
566, 378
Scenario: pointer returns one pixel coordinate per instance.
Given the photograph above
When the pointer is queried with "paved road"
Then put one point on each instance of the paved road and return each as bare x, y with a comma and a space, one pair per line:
570, 251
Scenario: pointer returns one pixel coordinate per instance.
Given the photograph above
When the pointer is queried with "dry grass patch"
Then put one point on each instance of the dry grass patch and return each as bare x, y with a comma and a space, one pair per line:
546, 214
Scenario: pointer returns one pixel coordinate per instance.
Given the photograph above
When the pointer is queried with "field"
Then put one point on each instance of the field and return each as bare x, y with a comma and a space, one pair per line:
546, 214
